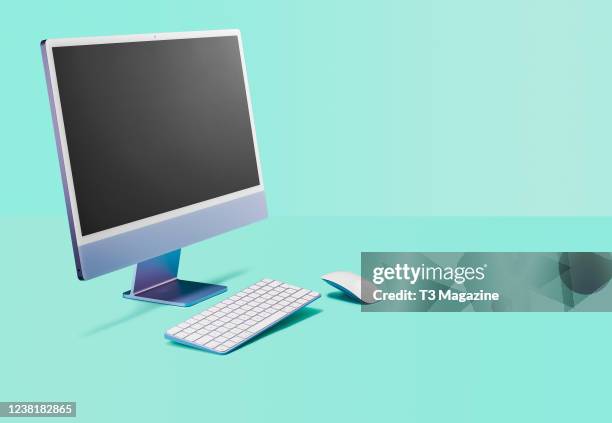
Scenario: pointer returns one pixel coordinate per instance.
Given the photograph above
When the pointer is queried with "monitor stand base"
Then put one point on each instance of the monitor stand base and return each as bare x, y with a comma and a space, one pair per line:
156, 281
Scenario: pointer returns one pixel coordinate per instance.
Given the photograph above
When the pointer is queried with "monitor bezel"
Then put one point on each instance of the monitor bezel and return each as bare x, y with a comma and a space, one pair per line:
62, 146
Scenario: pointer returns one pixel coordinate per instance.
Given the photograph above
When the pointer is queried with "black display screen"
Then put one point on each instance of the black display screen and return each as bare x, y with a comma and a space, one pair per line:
154, 126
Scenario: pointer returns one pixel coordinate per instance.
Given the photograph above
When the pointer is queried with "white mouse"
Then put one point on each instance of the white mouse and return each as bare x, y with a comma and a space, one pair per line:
352, 284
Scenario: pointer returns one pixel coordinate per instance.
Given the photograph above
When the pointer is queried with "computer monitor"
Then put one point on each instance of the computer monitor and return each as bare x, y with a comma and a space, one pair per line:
157, 151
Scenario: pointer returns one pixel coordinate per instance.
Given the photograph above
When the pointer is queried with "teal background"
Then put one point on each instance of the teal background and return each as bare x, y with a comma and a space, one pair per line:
364, 111
80, 341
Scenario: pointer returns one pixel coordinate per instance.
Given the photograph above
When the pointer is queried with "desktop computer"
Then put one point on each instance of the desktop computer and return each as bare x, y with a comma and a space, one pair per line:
157, 150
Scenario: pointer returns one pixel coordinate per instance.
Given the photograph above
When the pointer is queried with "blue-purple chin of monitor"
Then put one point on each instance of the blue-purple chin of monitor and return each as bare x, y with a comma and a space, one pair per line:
156, 278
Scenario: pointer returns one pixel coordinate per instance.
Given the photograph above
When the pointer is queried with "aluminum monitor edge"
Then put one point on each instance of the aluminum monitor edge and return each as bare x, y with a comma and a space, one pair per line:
124, 245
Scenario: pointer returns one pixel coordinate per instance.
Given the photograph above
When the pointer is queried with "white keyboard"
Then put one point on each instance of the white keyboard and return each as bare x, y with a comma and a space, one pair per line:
230, 323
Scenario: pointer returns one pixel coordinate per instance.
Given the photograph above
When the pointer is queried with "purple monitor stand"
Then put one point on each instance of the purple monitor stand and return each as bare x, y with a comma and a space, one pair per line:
156, 281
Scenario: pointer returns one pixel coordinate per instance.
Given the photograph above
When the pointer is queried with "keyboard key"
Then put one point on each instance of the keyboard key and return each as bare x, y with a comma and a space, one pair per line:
203, 340
212, 344
174, 330
300, 293
267, 321
230, 343
239, 338
193, 337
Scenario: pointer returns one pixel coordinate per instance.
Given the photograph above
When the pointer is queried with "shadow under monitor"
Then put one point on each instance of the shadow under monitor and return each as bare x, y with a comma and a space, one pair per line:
140, 308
